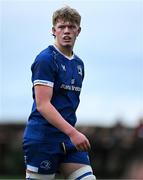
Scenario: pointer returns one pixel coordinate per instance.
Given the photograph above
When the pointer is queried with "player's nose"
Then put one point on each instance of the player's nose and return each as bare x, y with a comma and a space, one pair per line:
66, 30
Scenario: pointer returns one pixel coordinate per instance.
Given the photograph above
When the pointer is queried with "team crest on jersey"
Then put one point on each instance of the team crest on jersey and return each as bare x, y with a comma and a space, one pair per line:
63, 67
79, 68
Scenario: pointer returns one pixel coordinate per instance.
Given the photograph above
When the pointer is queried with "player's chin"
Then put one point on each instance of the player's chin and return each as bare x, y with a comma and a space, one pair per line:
68, 44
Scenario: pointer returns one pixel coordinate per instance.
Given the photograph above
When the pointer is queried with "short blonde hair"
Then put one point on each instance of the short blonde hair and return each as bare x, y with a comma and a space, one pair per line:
66, 14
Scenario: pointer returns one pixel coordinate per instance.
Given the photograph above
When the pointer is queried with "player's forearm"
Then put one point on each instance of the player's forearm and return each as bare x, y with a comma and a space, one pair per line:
50, 113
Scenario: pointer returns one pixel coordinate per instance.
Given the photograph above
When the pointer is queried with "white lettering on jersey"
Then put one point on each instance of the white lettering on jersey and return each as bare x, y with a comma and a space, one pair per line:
70, 87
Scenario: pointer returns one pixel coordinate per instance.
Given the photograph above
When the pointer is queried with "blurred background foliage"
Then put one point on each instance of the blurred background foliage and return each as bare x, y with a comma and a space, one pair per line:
117, 151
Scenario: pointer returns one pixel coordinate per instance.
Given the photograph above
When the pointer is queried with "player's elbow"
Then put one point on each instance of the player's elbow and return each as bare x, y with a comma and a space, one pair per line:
42, 106
39, 107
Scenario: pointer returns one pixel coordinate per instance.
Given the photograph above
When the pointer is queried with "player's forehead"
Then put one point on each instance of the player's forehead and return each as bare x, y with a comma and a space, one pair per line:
65, 22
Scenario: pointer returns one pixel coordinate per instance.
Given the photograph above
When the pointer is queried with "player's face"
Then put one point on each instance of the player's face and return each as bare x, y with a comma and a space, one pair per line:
66, 33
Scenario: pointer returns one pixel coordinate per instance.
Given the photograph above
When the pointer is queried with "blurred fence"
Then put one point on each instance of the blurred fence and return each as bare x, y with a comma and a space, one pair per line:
117, 152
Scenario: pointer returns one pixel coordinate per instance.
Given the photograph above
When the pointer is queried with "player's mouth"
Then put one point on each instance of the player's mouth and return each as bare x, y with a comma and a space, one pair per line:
67, 38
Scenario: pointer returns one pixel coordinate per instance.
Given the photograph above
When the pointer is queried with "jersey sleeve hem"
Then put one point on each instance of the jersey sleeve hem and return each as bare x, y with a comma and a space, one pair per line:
43, 82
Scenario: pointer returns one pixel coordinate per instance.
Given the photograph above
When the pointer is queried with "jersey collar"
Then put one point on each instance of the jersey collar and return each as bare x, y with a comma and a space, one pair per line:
69, 58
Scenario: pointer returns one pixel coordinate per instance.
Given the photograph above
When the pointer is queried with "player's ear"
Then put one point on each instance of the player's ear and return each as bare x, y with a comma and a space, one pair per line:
53, 31
79, 30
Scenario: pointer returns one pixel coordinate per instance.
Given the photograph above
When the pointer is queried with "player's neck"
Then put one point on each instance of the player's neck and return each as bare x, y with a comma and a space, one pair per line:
67, 51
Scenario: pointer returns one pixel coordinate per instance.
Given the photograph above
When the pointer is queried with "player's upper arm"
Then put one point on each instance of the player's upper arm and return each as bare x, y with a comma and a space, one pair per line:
43, 95
44, 70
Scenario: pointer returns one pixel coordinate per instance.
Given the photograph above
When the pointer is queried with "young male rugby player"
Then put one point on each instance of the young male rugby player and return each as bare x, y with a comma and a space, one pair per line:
51, 141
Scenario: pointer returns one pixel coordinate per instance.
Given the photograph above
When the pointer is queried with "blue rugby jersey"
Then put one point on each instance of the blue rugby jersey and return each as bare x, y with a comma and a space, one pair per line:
52, 68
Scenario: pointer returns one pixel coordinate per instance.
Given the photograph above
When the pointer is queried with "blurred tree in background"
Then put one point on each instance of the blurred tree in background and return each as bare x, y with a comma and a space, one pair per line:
117, 152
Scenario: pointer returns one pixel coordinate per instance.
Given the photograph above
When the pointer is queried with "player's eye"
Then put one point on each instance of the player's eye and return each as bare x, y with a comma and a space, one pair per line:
73, 27
61, 27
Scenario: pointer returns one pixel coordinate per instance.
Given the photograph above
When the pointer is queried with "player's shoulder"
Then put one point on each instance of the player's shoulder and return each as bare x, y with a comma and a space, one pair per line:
45, 55
45, 59
79, 60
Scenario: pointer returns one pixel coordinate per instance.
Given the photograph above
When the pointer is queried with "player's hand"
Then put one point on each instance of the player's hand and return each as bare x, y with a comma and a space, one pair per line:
80, 141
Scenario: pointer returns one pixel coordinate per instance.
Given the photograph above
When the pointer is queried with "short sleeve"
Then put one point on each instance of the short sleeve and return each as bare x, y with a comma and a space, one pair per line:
43, 71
